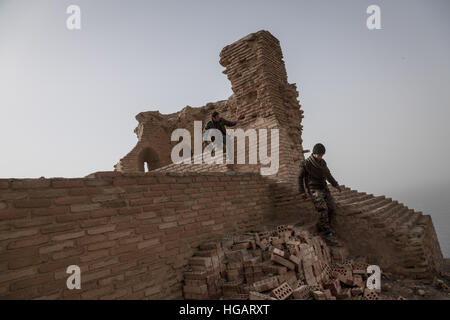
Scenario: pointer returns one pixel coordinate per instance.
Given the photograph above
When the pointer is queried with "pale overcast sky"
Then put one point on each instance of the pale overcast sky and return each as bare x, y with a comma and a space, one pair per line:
378, 100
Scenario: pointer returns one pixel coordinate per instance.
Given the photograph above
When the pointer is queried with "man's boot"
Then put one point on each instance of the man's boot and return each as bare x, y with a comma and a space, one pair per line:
325, 230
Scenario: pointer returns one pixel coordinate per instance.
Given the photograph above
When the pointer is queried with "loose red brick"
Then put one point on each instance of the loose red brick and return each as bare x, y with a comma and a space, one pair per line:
87, 277
18, 234
109, 212
123, 181
49, 211
11, 214
25, 261
94, 222
48, 193
71, 200
101, 245
59, 228
68, 236
148, 243
91, 294
94, 255
73, 216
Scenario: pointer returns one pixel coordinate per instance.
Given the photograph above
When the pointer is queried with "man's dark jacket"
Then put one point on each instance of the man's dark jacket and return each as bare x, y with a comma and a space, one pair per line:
314, 173
220, 125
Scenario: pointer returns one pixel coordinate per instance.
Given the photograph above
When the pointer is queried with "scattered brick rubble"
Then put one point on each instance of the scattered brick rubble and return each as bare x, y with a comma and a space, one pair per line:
286, 263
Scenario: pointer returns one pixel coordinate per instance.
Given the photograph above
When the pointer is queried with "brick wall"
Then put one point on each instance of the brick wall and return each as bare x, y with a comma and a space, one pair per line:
390, 234
130, 234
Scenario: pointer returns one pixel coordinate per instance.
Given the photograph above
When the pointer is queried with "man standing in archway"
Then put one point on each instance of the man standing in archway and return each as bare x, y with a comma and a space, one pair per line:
314, 173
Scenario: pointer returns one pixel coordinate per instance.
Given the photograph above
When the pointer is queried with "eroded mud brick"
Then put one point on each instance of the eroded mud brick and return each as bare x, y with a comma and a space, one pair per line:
238, 296
241, 245
195, 275
344, 294
328, 294
334, 287
357, 291
360, 268
236, 256
288, 277
279, 252
263, 244
319, 295
235, 265
276, 242
358, 281
203, 289
200, 261
230, 288
253, 295
296, 260
269, 268
345, 278
251, 261
339, 254
195, 296
210, 245
191, 283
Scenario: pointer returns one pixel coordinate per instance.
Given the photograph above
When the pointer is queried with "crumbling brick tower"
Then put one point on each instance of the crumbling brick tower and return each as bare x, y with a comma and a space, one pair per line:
394, 236
262, 98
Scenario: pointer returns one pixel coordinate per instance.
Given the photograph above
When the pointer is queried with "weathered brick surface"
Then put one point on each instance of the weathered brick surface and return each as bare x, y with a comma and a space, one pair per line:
117, 247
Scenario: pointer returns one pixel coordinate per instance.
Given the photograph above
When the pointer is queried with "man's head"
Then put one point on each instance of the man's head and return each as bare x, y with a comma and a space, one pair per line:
215, 116
318, 151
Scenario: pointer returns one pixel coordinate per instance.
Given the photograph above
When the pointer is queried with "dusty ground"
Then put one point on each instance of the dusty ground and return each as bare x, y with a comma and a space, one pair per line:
427, 289
412, 290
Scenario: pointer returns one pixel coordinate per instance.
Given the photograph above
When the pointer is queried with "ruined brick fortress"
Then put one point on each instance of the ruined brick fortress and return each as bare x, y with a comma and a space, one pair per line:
134, 233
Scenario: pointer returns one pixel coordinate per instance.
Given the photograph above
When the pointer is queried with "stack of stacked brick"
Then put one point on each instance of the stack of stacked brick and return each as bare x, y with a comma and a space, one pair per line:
285, 263
400, 239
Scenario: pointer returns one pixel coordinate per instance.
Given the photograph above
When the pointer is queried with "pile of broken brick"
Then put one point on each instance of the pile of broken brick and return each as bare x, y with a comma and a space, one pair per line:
285, 263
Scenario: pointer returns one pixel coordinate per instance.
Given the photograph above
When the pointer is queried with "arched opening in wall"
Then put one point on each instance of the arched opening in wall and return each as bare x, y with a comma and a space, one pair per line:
148, 160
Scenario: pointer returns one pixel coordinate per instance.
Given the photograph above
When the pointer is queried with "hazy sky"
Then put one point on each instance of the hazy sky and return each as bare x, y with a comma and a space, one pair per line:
378, 100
